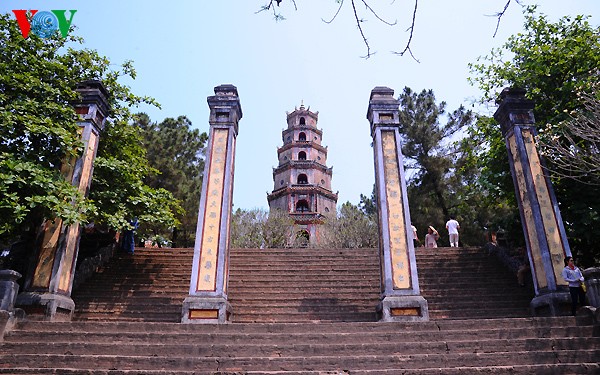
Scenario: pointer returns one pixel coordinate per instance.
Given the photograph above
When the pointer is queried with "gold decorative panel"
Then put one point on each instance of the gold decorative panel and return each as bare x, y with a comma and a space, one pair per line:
405, 311
204, 314
555, 245
531, 230
395, 208
209, 247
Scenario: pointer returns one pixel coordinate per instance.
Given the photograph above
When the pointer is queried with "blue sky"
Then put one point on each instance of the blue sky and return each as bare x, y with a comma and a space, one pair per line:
182, 49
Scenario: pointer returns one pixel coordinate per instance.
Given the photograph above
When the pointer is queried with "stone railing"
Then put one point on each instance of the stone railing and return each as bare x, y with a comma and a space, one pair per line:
88, 266
592, 282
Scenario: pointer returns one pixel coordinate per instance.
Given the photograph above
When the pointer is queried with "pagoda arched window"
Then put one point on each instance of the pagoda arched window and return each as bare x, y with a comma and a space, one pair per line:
302, 136
302, 155
302, 121
302, 179
302, 206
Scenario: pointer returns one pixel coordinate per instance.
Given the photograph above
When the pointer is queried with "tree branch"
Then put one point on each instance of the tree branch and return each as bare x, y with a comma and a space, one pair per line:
500, 14
574, 151
358, 21
270, 5
377, 15
336, 13
411, 28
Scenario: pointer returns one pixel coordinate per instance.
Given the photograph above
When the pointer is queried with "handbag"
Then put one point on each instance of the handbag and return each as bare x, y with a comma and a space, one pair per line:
583, 287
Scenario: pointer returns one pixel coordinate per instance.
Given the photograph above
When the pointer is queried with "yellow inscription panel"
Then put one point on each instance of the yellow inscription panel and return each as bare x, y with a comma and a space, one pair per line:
204, 314
531, 234
396, 224
551, 229
207, 269
43, 269
405, 311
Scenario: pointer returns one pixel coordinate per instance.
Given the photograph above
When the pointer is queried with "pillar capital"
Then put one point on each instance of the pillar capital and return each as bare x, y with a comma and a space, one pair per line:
383, 108
93, 105
514, 109
225, 107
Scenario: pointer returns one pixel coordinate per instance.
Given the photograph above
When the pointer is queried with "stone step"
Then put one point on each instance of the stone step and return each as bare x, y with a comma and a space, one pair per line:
275, 362
541, 369
451, 325
284, 349
307, 337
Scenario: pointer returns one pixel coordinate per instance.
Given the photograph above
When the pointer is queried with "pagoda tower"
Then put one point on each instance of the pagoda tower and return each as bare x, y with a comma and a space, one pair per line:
302, 180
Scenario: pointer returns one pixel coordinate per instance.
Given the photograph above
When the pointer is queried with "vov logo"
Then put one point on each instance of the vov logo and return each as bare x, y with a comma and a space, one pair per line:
45, 23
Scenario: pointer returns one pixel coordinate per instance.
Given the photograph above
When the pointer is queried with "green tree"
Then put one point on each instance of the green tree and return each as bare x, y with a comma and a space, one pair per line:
427, 145
175, 150
440, 178
553, 62
38, 131
368, 205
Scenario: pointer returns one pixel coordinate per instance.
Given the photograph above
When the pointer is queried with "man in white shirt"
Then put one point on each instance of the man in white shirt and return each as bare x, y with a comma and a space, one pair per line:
453, 227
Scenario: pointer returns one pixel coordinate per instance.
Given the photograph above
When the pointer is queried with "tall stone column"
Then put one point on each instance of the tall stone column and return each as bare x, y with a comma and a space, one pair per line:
47, 291
543, 227
400, 294
207, 301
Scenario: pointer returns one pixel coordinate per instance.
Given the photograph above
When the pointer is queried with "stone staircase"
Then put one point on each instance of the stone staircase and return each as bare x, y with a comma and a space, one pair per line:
297, 285
302, 311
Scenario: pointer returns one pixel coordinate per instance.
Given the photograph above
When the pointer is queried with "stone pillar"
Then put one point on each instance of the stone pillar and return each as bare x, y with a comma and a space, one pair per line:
543, 227
207, 301
47, 291
401, 299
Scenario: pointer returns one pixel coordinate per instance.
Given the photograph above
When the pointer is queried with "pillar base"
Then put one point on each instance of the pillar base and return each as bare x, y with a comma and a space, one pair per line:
403, 309
9, 289
206, 310
551, 304
46, 306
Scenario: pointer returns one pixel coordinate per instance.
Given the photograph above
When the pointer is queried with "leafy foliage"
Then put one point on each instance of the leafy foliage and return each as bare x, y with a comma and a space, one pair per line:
38, 134
37, 130
551, 61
